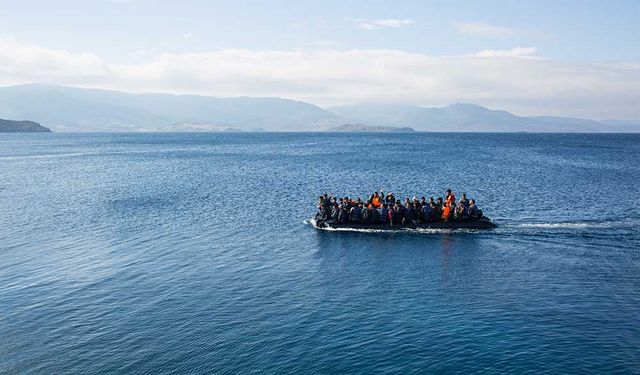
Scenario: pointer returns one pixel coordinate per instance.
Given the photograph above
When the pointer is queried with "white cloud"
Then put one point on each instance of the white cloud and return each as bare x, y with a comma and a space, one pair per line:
512, 79
524, 52
387, 22
20, 62
484, 29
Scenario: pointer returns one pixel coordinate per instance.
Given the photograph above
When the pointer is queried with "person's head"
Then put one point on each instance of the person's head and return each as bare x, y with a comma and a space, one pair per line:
375, 194
430, 199
341, 200
464, 195
439, 199
448, 191
424, 199
472, 201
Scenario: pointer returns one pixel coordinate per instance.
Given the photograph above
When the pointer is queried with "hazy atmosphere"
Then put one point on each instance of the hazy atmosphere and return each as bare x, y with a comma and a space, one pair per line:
319, 187
523, 57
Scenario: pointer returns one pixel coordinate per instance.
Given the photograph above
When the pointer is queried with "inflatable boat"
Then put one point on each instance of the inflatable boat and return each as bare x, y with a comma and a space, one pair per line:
483, 223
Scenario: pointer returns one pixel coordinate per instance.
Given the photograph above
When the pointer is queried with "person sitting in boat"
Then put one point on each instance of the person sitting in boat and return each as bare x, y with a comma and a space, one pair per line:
390, 199
461, 212
355, 215
367, 213
427, 211
335, 213
324, 211
474, 212
375, 200
343, 216
423, 201
446, 212
332, 202
409, 215
464, 200
449, 197
383, 214
396, 215
439, 208
374, 215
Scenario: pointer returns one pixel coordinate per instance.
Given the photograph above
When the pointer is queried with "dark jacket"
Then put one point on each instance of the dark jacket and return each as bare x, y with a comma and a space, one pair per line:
356, 214
410, 213
366, 215
474, 212
335, 215
426, 212
384, 215
343, 216
374, 215
397, 215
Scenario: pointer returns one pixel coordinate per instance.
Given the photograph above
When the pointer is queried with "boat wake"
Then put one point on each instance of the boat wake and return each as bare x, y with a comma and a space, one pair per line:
586, 224
591, 226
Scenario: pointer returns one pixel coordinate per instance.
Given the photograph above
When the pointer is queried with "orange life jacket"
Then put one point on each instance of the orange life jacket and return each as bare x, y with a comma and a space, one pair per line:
446, 211
376, 201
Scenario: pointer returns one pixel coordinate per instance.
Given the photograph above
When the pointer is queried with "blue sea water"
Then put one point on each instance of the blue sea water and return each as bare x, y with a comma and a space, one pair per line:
189, 253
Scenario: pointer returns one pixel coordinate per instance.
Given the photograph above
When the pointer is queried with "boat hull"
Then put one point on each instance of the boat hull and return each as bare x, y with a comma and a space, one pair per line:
484, 223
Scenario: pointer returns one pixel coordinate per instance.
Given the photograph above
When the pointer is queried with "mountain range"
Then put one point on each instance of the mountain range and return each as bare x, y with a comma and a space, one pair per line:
64, 108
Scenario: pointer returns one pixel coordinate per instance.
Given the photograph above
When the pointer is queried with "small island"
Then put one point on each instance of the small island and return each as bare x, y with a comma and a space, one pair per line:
208, 127
11, 126
362, 128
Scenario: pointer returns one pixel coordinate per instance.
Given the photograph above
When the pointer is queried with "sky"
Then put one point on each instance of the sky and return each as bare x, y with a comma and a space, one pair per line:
567, 58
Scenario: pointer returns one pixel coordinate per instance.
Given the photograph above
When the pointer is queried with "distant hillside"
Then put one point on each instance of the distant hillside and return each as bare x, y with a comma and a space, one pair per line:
470, 117
370, 129
212, 128
622, 126
10, 126
77, 109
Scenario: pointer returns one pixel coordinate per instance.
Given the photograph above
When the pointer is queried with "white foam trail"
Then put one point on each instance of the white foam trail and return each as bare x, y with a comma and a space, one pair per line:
625, 223
555, 225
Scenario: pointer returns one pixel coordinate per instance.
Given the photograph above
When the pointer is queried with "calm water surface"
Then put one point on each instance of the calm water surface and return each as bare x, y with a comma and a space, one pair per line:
188, 253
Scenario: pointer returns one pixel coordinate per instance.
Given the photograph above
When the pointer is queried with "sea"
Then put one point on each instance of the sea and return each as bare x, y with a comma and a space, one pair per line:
192, 253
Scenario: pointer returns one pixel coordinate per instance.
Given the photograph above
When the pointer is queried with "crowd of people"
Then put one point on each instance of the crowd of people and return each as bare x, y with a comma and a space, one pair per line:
386, 209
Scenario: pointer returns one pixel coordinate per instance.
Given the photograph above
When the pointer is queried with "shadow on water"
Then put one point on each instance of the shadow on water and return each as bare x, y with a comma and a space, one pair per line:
413, 253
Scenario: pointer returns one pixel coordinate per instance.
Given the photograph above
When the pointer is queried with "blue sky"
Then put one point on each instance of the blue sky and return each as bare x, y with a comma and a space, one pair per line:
338, 52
